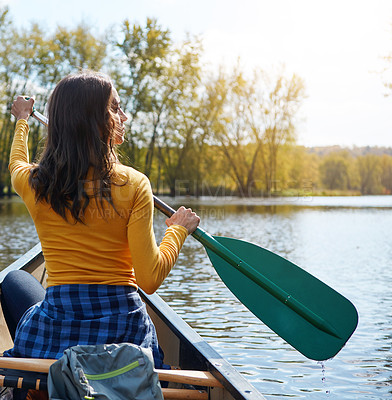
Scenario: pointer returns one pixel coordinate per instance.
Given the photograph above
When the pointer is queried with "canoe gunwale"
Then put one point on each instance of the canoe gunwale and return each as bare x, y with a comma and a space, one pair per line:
237, 385
28, 262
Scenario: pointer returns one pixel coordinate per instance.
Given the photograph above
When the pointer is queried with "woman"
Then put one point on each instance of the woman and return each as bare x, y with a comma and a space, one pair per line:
94, 220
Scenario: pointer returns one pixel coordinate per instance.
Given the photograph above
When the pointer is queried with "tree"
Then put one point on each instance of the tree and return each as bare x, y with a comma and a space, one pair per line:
11, 68
140, 61
386, 173
58, 54
369, 168
178, 132
259, 118
208, 114
334, 171
274, 109
32, 61
302, 168
233, 133
160, 83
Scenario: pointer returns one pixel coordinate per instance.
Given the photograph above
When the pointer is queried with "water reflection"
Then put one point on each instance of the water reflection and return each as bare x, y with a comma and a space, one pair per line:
17, 232
344, 242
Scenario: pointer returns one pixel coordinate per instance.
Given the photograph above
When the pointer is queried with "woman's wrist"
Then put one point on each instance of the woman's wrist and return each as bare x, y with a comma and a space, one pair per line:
22, 116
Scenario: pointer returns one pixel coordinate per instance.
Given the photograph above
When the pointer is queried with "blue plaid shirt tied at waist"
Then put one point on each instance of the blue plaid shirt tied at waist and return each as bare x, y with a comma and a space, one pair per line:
84, 314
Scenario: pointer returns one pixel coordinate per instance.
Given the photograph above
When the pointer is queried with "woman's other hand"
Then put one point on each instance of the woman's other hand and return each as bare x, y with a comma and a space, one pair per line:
184, 217
22, 108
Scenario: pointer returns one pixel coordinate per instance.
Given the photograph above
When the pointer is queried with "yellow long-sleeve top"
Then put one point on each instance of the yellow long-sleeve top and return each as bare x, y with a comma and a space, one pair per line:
111, 248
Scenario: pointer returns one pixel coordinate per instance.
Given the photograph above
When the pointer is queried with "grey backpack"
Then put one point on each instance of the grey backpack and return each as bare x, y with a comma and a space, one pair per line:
104, 372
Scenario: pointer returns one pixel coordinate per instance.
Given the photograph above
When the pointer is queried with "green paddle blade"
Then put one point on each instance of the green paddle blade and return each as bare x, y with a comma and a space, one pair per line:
312, 317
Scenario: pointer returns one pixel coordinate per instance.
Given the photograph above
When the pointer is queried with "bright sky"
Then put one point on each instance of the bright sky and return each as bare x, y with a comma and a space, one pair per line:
336, 46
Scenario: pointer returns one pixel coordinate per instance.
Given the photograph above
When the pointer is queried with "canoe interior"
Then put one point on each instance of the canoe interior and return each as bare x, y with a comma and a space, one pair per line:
182, 346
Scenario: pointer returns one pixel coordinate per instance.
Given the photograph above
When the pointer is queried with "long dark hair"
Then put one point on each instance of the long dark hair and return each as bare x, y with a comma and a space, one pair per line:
80, 138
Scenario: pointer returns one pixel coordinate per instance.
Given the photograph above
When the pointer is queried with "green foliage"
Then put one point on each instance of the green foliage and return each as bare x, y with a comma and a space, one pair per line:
32, 61
334, 171
9, 85
386, 173
138, 66
299, 169
369, 168
257, 120
191, 131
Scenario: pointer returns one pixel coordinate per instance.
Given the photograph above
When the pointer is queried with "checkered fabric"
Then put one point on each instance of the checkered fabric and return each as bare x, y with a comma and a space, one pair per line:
84, 314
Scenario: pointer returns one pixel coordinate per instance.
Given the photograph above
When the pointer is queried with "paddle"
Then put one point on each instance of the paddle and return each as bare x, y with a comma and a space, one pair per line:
308, 314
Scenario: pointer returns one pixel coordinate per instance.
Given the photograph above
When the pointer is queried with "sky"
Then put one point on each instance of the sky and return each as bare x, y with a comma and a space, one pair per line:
336, 46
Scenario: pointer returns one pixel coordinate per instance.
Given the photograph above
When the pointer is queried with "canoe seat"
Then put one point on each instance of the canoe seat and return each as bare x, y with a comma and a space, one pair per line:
41, 366
168, 394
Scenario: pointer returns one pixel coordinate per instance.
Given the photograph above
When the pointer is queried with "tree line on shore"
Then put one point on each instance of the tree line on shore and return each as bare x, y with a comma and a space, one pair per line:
193, 129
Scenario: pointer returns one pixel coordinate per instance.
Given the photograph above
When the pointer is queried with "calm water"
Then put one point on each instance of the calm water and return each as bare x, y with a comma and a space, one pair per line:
343, 241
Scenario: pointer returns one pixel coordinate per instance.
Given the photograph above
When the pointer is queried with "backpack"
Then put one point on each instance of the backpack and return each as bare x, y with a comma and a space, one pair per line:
104, 372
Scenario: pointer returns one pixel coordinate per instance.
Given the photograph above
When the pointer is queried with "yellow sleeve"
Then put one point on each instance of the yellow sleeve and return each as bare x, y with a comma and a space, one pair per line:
19, 158
151, 263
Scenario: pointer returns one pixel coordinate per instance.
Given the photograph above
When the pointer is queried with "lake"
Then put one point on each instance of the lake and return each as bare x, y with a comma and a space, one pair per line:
344, 241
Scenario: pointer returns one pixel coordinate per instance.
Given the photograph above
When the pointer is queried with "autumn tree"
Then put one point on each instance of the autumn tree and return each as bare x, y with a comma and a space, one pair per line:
275, 100
232, 132
259, 118
301, 168
208, 115
179, 132
369, 168
334, 171
386, 173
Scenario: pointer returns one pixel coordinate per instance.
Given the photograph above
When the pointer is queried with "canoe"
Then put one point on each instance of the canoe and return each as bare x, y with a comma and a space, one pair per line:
183, 347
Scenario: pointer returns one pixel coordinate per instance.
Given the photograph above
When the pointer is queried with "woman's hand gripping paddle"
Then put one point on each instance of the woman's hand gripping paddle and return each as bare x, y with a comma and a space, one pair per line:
309, 315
